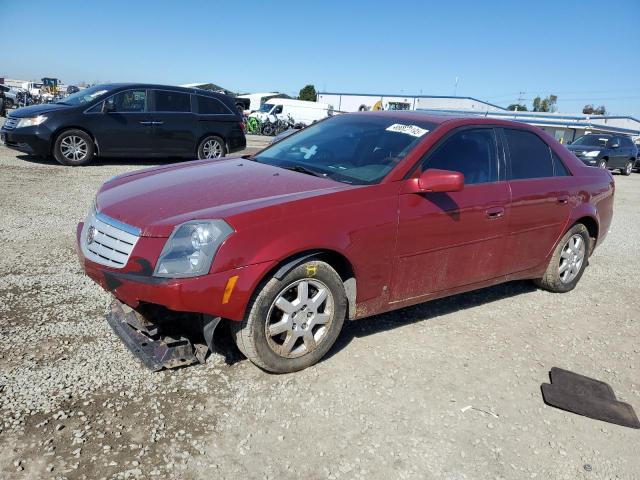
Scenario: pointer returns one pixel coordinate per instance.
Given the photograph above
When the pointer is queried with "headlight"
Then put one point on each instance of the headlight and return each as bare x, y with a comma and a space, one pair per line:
31, 122
190, 249
592, 154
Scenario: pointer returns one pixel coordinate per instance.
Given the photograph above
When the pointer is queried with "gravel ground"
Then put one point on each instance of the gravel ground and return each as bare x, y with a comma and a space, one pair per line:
447, 389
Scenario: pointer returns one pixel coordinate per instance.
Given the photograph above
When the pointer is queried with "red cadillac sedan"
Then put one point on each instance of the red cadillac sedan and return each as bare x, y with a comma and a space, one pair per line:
353, 216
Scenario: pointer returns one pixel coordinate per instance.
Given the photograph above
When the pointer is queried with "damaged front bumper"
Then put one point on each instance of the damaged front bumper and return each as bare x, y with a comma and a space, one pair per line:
155, 348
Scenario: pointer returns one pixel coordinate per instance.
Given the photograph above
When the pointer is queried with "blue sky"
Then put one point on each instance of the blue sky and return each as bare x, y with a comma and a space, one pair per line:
584, 52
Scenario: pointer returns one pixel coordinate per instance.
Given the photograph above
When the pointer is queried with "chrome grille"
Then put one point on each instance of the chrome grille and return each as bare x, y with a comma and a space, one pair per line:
106, 241
10, 123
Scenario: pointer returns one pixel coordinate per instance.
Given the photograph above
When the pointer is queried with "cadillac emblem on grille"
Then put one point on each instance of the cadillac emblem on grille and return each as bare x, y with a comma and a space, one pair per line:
90, 233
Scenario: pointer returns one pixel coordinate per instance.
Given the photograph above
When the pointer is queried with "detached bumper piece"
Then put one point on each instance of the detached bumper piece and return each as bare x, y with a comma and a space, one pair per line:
143, 338
586, 396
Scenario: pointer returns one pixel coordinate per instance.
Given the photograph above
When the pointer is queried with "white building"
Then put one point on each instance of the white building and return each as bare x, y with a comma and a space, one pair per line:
353, 102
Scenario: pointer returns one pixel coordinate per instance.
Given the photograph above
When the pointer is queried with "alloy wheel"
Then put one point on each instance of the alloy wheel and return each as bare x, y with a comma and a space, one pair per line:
212, 149
74, 148
571, 258
299, 318
629, 168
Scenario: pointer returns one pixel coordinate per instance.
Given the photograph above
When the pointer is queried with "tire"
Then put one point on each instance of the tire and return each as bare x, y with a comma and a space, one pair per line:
74, 148
602, 164
626, 171
566, 256
211, 147
294, 343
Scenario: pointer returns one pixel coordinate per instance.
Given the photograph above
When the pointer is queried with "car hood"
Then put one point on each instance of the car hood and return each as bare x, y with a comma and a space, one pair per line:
35, 110
586, 148
156, 200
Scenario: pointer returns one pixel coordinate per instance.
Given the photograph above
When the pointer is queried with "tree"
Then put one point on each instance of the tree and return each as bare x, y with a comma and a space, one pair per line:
547, 104
517, 107
591, 110
308, 93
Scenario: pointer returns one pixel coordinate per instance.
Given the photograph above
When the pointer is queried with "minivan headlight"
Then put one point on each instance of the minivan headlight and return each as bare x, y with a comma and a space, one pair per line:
592, 154
190, 249
31, 121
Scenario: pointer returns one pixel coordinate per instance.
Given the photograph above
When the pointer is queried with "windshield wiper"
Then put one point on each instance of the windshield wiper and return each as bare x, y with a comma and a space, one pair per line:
301, 169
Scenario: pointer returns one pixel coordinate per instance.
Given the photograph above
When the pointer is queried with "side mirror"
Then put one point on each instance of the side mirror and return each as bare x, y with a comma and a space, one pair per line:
615, 145
434, 180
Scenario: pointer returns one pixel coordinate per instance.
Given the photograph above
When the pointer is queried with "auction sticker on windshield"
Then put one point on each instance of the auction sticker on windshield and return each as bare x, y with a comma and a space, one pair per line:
412, 130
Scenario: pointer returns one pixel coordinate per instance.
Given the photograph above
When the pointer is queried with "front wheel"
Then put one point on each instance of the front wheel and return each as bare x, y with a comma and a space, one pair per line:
568, 261
74, 148
626, 171
211, 147
293, 322
602, 164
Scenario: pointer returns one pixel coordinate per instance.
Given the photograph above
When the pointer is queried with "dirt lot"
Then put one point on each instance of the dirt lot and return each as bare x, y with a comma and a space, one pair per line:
390, 401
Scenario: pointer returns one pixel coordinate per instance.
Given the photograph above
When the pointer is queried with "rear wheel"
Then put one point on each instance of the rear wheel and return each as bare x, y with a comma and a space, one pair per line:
291, 323
602, 164
211, 147
74, 148
567, 262
627, 169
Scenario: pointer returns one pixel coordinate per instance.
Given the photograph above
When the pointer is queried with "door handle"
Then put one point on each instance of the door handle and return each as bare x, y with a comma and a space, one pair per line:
146, 123
563, 199
157, 123
494, 212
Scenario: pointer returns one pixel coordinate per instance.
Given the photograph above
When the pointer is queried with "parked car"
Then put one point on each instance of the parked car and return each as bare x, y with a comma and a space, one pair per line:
298, 111
3, 100
353, 216
606, 151
128, 120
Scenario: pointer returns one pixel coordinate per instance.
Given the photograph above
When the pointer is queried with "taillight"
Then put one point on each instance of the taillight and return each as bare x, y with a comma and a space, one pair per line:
243, 126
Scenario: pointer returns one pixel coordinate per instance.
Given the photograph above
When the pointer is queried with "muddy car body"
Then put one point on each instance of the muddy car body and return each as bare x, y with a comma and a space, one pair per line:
299, 248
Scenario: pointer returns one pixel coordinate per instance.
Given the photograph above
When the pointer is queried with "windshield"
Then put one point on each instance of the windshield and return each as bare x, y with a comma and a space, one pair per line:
592, 141
357, 149
265, 107
84, 96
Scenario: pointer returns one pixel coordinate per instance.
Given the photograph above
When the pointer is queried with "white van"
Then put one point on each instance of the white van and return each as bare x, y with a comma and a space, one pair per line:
256, 100
300, 111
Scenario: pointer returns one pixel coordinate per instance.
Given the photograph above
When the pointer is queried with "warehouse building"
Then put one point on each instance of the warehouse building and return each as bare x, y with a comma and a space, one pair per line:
564, 127
353, 102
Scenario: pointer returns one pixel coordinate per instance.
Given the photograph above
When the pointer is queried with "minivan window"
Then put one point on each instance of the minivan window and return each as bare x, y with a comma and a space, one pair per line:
211, 106
167, 101
530, 156
471, 152
129, 101
278, 110
266, 107
84, 96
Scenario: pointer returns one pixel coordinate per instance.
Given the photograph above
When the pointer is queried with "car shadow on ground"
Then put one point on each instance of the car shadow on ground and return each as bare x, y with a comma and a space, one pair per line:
426, 311
422, 312
106, 162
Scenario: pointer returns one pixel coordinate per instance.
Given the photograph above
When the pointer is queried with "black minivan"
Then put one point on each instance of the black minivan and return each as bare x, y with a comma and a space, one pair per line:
135, 120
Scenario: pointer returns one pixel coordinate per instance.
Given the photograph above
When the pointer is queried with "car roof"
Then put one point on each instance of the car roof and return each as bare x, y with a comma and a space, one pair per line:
461, 119
176, 88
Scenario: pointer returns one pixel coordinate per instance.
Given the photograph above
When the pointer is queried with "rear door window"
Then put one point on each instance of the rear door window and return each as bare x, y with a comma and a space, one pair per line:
167, 101
472, 152
211, 106
530, 156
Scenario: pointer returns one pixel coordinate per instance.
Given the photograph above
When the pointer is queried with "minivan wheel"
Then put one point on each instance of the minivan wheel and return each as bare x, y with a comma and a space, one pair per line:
291, 323
567, 262
211, 147
602, 164
626, 171
74, 148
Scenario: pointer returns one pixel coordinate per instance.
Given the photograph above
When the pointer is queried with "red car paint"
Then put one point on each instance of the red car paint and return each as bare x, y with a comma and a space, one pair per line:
404, 247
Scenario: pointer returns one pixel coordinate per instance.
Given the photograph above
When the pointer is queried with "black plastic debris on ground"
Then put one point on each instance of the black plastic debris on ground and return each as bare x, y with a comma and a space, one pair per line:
586, 396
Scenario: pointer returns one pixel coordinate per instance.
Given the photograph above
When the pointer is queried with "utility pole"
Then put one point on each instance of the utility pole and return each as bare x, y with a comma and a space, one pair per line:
455, 88
520, 99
